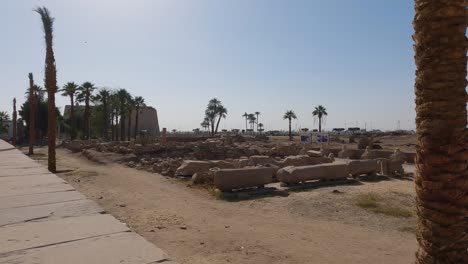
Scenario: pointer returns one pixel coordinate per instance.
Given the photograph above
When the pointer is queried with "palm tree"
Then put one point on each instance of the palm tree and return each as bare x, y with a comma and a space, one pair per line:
70, 89
32, 115
257, 114
15, 124
139, 102
320, 112
103, 97
221, 111
211, 113
114, 104
260, 125
205, 124
441, 129
290, 115
245, 115
50, 83
85, 95
251, 118
122, 95
130, 105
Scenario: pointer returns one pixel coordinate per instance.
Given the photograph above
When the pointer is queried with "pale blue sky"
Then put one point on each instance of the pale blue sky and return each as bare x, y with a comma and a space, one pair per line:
354, 57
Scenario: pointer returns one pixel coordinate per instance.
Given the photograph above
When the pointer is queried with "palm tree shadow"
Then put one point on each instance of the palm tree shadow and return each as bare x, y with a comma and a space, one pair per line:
253, 193
320, 184
63, 171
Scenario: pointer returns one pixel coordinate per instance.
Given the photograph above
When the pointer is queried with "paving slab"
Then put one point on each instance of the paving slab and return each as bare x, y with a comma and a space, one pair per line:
39, 199
111, 249
34, 188
40, 234
43, 219
8, 172
48, 211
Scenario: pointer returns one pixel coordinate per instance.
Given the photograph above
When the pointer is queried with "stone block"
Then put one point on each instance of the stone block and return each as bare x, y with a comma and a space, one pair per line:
329, 171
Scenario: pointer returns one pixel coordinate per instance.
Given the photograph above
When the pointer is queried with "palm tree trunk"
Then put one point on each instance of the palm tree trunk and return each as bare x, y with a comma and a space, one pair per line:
246, 125
320, 124
32, 116
15, 123
116, 126
257, 123
441, 178
106, 120
72, 118
51, 86
212, 128
290, 135
129, 129
137, 114
86, 125
122, 127
217, 125
112, 126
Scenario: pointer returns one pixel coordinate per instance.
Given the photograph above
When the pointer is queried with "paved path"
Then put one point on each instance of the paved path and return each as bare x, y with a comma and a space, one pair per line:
45, 220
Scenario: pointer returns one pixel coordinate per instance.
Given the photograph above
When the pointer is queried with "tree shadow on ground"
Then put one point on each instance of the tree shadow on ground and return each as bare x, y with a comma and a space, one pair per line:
254, 193
320, 184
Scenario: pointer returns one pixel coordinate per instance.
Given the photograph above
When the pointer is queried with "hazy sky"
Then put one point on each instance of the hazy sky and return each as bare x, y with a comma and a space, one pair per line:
354, 57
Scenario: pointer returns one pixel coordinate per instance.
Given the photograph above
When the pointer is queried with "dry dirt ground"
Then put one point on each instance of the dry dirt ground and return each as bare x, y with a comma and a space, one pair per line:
365, 222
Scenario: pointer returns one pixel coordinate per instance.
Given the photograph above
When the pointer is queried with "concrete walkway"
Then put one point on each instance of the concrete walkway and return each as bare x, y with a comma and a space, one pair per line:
45, 220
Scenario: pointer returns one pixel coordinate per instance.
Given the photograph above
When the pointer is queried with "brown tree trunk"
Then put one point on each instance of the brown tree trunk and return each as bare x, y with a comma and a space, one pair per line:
320, 124
129, 128
116, 126
14, 122
122, 127
106, 119
32, 116
441, 177
51, 86
72, 118
290, 135
112, 126
86, 114
137, 114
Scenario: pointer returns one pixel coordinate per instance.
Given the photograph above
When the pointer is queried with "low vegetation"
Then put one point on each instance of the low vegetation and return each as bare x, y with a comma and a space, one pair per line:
377, 204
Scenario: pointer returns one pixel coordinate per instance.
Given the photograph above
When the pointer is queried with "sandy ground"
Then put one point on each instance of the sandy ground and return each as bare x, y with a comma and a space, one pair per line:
317, 225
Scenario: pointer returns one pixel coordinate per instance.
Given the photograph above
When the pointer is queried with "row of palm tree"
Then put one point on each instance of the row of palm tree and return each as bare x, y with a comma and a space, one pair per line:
319, 111
214, 112
116, 108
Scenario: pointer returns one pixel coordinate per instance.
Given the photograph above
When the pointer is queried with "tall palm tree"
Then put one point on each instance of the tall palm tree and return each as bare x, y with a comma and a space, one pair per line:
15, 124
251, 118
139, 102
103, 97
70, 89
260, 125
221, 111
245, 115
257, 114
205, 124
320, 112
85, 95
50, 83
114, 105
211, 113
441, 178
122, 95
32, 115
130, 106
289, 115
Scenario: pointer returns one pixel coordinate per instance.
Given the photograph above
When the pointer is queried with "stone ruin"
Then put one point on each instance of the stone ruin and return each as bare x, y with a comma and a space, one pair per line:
235, 162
